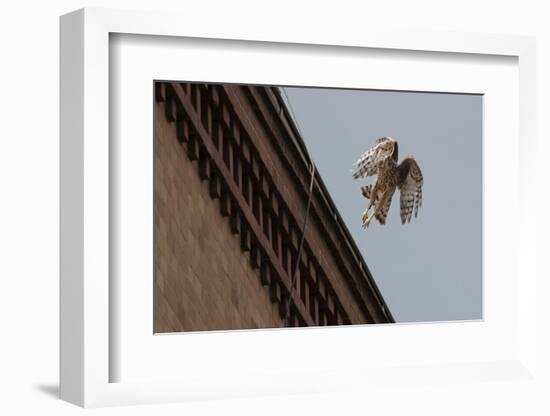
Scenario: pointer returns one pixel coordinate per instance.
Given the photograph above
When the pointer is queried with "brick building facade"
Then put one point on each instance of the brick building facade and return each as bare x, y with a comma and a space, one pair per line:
232, 180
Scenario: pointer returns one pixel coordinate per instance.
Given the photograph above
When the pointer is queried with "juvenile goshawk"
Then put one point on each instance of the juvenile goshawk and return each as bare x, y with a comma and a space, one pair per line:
381, 160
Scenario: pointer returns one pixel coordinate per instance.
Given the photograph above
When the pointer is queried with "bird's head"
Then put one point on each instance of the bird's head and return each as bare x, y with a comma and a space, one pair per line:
389, 148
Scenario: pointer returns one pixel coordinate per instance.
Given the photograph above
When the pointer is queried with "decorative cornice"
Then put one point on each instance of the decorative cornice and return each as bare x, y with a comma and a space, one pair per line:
342, 245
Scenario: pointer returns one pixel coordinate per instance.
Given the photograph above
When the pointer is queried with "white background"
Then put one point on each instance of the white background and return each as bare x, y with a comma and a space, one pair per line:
29, 209
244, 353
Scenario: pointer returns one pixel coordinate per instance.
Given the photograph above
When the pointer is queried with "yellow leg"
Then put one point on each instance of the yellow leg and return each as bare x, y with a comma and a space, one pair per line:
367, 222
366, 219
365, 215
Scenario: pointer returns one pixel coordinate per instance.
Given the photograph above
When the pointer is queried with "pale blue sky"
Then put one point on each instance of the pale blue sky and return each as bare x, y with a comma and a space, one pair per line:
430, 269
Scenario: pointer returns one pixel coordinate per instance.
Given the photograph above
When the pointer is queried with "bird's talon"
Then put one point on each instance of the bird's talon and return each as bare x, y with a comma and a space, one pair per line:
366, 222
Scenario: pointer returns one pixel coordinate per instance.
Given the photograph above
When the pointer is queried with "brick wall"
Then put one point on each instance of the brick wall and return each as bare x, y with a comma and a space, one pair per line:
205, 277
316, 232
203, 281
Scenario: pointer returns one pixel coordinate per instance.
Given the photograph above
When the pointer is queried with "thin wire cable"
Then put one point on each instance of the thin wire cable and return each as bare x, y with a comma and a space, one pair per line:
291, 110
302, 238
289, 106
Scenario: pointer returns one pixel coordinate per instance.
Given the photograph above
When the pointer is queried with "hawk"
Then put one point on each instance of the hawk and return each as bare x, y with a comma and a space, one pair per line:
381, 160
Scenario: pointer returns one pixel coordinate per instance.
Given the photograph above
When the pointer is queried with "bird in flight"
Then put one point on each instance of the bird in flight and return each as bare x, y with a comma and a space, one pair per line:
381, 160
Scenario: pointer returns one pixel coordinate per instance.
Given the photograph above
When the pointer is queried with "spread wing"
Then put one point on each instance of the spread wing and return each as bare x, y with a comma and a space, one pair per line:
409, 182
367, 163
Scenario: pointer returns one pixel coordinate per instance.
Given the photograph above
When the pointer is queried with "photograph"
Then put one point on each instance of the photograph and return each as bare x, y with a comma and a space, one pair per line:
299, 206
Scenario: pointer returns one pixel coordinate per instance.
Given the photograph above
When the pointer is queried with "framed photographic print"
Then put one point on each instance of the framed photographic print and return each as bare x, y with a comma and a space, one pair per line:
250, 154
259, 214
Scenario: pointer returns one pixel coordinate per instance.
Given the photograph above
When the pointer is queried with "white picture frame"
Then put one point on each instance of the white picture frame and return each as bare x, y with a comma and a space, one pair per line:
86, 350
